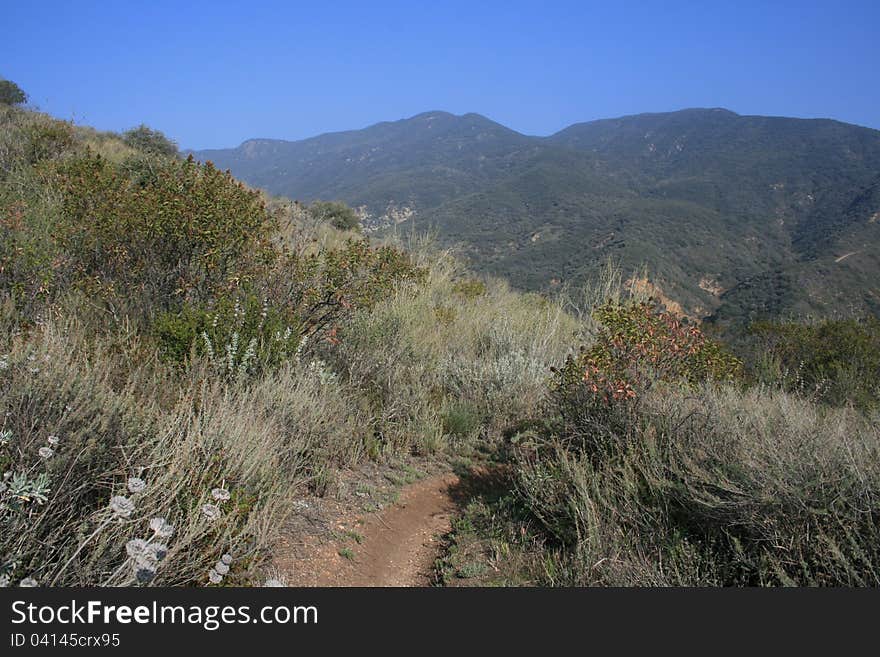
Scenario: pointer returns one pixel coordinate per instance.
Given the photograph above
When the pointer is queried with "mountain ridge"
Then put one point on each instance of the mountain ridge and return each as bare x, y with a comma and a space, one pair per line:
696, 194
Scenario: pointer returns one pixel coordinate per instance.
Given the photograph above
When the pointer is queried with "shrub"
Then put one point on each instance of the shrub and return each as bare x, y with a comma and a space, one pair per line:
461, 420
237, 337
835, 361
89, 421
470, 289
324, 287
336, 213
28, 138
150, 142
650, 470
11, 93
190, 233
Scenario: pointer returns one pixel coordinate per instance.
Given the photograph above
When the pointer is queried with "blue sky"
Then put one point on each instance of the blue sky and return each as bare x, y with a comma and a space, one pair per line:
215, 73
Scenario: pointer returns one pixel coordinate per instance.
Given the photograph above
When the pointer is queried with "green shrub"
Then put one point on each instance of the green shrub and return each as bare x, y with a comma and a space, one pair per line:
470, 289
835, 361
337, 214
238, 337
188, 234
651, 471
28, 138
461, 420
150, 142
638, 345
11, 93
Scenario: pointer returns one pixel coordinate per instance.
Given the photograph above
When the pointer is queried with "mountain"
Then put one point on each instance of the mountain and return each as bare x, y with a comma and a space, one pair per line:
735, 217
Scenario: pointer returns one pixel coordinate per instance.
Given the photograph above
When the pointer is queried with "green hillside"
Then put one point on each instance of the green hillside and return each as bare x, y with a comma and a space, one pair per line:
734, 216
186, 367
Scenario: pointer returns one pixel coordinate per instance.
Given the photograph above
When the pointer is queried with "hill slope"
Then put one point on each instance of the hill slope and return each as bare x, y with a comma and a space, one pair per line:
734, 216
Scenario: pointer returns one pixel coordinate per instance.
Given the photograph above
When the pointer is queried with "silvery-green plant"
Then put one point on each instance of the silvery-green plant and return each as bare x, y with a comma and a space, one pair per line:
20, 489
322, 372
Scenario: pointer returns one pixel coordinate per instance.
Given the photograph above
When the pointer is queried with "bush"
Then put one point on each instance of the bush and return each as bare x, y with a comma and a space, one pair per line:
188, 234
82, 419
461, 420
336, 213
150, 142
28, 138
835, 361
637, 346
11, 93
240, 337
650, 470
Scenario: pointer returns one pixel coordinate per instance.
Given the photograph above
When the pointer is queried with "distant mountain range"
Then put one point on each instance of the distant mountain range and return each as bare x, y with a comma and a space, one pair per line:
735, 217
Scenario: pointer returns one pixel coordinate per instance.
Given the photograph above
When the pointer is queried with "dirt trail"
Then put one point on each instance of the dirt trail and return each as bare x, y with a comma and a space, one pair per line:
396, 546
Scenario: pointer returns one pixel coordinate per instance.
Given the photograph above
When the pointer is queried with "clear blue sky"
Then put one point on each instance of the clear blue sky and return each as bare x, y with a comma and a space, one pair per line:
215, 73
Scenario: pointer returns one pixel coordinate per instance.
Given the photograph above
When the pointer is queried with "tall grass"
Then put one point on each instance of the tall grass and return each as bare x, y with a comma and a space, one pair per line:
110, 417
713, 485
459, 345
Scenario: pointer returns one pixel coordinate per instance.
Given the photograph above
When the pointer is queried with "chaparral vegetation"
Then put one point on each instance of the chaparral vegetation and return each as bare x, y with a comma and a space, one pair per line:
183, 358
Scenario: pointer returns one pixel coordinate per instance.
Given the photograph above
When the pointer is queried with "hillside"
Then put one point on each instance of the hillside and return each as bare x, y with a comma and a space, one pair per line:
735, 216
203, 388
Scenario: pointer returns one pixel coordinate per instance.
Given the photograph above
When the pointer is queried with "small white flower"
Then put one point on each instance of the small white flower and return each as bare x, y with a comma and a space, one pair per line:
211, 511
227, 559
45, 452
161, 528
52, 440
214, 577
220, 494
28, 583
135, 547
136, 485
221, 568
273, 582
121, 506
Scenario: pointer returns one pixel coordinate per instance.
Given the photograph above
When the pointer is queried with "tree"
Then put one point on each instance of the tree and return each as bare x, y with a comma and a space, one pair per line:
11, 93
338, 214
149, 141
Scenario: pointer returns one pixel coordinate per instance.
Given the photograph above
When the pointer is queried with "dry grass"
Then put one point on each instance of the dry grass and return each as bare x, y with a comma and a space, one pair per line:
715, 487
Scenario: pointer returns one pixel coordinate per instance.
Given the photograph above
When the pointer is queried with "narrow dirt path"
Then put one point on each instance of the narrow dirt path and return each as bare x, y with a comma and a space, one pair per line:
394, 547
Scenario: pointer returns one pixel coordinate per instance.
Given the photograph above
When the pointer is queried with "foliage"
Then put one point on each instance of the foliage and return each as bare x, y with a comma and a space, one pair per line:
238, 337
837, 361
11, 93
637, 346
470, 289
189, 233
150, 142
27, 138
322, 288
336, 213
